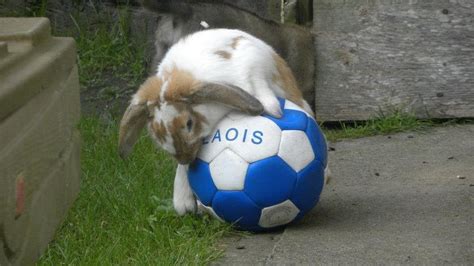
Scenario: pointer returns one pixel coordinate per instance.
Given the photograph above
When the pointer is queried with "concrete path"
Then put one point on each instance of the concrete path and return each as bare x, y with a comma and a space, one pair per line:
402, 199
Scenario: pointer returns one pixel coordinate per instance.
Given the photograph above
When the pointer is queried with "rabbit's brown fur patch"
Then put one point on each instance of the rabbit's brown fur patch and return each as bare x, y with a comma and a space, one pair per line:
286, 81
150, 90
235, 41
180, 84
180, 141
223, 54
159, 129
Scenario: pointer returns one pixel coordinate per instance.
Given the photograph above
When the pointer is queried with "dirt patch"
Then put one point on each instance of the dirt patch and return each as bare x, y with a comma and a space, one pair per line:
109, 99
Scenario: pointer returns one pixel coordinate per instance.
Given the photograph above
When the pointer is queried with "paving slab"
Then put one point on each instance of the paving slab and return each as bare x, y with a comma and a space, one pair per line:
406, 198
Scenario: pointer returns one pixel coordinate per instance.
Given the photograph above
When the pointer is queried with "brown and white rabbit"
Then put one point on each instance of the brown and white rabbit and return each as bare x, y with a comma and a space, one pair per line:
203, 77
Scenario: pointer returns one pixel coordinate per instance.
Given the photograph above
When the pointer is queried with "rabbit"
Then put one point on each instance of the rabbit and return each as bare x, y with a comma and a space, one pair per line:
202, 78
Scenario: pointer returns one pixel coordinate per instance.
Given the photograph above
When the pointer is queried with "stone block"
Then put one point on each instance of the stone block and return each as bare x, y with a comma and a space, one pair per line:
39, 139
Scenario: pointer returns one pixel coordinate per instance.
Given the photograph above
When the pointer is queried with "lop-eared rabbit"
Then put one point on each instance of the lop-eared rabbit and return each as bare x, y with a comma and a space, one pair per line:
203, 77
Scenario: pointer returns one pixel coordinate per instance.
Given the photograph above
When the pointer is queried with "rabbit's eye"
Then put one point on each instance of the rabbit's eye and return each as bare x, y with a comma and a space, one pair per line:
189, 124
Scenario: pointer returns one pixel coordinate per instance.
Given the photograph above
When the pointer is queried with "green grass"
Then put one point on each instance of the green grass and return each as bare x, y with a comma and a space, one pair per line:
123, 214
395, 122
105, 46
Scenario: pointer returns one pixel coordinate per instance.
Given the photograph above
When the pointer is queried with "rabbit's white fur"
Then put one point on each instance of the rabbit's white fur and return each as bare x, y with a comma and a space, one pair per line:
251, 65
183, 197
217, 56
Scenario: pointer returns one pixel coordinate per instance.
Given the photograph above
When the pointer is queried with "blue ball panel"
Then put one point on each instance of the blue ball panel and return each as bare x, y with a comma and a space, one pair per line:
316, 137
269, 181
291, 120
236, 207
200, 179
309, 185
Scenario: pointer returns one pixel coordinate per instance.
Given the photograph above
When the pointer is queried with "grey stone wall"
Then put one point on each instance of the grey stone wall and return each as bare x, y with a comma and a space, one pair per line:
267, 9
374, 56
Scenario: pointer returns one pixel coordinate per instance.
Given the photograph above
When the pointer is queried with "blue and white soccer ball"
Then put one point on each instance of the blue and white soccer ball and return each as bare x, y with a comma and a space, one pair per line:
259, 172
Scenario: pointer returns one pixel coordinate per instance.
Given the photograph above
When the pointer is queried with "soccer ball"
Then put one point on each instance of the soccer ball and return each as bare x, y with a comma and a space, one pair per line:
259, 172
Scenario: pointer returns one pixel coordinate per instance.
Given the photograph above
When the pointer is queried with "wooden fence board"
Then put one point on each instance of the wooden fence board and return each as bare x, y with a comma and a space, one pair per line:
374, 56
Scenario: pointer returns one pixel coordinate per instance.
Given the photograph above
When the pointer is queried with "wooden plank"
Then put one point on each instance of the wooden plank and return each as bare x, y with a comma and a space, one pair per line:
374, 56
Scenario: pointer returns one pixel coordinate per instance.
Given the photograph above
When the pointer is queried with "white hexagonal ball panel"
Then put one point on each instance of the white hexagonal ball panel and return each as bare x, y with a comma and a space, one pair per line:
295, 149
258, 138
228, 171
205, 209
251, 137
279, 214
234, 116
216, 142
209, 151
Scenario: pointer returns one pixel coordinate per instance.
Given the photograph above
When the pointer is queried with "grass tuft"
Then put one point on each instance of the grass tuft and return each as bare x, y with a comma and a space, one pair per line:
124, 214
395, 122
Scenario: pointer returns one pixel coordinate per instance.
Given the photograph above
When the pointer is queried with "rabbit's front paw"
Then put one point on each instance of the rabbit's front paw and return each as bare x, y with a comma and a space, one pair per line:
184, 202
271, 106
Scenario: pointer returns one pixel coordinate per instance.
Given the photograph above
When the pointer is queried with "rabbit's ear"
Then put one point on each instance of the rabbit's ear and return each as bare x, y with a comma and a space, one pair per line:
136, 115
229, 95
132, 123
